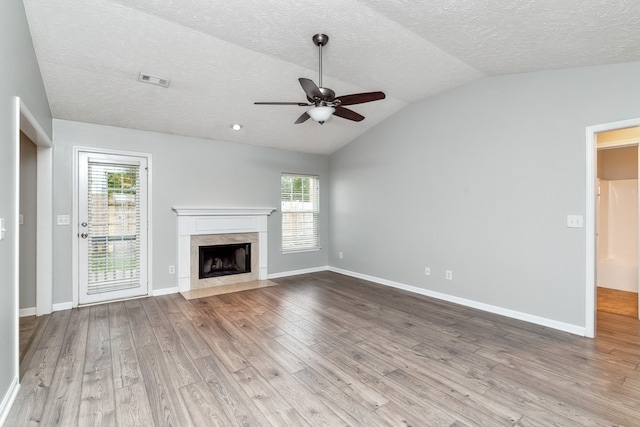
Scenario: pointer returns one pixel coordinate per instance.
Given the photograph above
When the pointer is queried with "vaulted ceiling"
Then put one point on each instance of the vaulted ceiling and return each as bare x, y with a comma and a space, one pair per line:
222, 56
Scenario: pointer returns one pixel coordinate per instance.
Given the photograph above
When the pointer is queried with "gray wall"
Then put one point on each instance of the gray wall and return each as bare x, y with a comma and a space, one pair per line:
19, 76
186, 172
28, 206
479, 180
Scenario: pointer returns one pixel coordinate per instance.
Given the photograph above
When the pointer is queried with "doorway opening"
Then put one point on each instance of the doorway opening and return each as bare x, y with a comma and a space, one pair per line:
41, 224
28, 242
626, 127
617, 221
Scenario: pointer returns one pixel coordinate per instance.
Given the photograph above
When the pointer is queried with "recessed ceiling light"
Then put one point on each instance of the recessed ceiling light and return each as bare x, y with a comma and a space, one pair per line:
236, 126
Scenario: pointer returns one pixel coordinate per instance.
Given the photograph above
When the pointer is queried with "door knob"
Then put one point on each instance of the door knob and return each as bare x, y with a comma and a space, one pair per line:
84, 235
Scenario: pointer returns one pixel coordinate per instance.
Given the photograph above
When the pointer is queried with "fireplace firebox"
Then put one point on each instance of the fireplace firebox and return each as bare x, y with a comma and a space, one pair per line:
224, 260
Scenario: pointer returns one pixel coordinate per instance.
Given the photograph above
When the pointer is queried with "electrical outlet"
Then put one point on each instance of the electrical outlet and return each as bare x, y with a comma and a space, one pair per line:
64, 220
172, 269
427, 271
340, 255
449, 275
3, 230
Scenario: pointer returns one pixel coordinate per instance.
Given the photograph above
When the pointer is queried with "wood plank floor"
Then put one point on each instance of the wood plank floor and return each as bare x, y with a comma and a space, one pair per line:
323, 350
28, 328
618, 302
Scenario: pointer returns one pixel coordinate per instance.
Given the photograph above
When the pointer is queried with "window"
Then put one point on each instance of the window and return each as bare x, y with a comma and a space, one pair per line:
300, 206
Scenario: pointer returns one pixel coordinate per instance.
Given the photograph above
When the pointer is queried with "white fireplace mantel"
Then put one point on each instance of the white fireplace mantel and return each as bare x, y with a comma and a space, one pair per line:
201, 221
223, 211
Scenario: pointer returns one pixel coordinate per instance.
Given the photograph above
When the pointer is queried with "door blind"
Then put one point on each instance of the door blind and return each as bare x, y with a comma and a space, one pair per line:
113, 226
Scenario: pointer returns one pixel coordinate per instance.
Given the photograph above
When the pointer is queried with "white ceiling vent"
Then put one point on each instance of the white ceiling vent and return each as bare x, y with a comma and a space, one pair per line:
154, 80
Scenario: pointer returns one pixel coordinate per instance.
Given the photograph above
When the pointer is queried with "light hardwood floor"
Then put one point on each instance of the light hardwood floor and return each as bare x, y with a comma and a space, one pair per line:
323, 349
618, 302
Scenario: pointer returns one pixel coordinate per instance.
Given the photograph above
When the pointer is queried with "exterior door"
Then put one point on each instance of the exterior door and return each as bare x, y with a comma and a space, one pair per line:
112, 227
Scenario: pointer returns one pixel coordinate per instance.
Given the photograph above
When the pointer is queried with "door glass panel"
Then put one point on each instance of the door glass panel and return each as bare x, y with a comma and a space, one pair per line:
113, 227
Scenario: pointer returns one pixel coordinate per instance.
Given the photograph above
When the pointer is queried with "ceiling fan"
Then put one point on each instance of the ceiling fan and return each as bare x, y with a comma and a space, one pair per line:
322, 101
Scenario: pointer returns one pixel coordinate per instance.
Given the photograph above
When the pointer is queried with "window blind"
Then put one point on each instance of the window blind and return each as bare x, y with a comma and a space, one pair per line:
113, 227
300, 207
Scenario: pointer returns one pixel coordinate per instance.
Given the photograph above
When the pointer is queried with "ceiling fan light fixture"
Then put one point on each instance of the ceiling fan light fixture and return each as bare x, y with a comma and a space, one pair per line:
321, 113
322, 100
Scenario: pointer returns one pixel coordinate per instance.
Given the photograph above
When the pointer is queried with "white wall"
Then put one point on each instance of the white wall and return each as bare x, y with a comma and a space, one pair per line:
19, 76
187, 172
479, 180
618, 235
618, 222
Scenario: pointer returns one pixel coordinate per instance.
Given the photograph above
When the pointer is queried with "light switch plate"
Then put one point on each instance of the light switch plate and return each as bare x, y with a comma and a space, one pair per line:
64, 219
2, 229
574, 221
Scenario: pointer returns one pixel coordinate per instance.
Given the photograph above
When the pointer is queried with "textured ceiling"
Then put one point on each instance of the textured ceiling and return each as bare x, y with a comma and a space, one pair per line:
222, 56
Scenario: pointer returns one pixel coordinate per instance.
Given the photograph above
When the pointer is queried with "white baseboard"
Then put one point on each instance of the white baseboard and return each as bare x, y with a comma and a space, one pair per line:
164, 291
627, 287
543, 321
63, 306
8, 400
154, 293
297, 272
30, 311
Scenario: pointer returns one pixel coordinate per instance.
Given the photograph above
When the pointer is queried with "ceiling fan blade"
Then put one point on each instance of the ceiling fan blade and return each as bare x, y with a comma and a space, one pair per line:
301, 104
360, 98
303, 118
345, 113
310, 88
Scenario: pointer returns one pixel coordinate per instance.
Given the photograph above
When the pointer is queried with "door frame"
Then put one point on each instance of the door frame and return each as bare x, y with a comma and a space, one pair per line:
590, 217
26, 122
75, 276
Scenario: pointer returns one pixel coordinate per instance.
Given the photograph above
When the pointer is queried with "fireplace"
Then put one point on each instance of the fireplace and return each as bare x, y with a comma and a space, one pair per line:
224, 260
224, 226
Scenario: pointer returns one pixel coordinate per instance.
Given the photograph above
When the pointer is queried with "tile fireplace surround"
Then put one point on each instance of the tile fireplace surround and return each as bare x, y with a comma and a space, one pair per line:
213, 221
